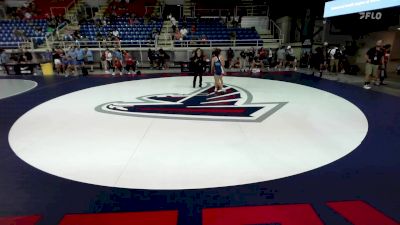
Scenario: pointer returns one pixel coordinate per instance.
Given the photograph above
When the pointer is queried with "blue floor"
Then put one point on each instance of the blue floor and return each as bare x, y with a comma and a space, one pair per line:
370, 173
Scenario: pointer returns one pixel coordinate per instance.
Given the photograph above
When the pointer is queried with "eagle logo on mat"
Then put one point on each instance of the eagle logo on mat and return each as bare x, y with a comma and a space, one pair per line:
234, 104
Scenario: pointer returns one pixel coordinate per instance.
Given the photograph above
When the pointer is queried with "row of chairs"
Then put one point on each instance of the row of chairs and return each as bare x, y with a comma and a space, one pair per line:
119, 29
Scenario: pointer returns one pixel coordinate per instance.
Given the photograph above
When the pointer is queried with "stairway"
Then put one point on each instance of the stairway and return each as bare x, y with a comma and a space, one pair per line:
76, 11
164, 40
102, 9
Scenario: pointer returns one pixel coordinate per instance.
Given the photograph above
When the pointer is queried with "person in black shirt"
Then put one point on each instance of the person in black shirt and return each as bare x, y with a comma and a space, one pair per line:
198, 64
231, 55
375, 60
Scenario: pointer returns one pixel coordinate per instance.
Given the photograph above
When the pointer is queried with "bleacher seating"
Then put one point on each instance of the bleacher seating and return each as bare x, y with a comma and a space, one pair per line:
126, 31
134, 6
214, 30
46, 6
29, 28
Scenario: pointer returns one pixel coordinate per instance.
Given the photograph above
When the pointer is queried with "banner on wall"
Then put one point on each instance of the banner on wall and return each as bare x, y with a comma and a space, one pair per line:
344, 7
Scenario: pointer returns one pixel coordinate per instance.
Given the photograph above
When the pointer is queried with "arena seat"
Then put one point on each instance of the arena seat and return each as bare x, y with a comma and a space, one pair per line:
127, 32
215, 31
33, 30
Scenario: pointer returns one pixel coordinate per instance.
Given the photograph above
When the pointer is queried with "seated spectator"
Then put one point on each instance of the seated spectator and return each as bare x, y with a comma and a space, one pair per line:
193, 29
232, 35
236, 63
178, 35
115, 33
290, 58
257, 65
203, 39
183, 32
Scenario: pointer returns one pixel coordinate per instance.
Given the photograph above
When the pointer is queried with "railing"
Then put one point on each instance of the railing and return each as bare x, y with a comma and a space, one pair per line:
16, 45
105, 44
214, 12
146, 9
219, 43
66, 8
145, 44
252, 10
276, 31
73, 18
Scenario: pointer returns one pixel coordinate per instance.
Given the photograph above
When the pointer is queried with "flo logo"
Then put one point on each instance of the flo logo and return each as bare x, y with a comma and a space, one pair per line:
234, 104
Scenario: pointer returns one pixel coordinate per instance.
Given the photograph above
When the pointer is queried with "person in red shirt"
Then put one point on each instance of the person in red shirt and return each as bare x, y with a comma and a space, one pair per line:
130, 63
117, 66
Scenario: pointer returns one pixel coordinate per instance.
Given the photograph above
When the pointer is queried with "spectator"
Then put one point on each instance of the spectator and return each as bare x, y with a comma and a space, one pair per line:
89, 59
237, 63
163, 58
203, 39
193, 29
318, 60
375, 59
270, 57
152, 57
257, 65
334, 57
3, 59
80, 56
108, 60
290, 58
70, 66
28, 56
243, 60
183, 32
232, 36
115, 33
117, 66
230, 55
178, 35
386, 57
130, 63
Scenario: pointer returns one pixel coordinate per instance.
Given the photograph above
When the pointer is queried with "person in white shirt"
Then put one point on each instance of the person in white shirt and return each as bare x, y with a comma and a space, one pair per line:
115, 33
334, 56
184, 32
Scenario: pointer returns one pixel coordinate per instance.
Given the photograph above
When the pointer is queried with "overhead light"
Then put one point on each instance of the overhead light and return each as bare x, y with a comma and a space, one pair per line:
398, 28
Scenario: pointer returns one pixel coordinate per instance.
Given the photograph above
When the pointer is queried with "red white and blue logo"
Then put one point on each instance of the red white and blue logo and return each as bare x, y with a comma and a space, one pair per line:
234, 104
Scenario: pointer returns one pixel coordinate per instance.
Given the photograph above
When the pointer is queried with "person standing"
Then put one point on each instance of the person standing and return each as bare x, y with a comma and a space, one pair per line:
109, 60
383, 71
290, 58
130, 63
280, 56
230, 54
334, 56
217, 68
198, 64
374, 59
89, 58
80, 57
